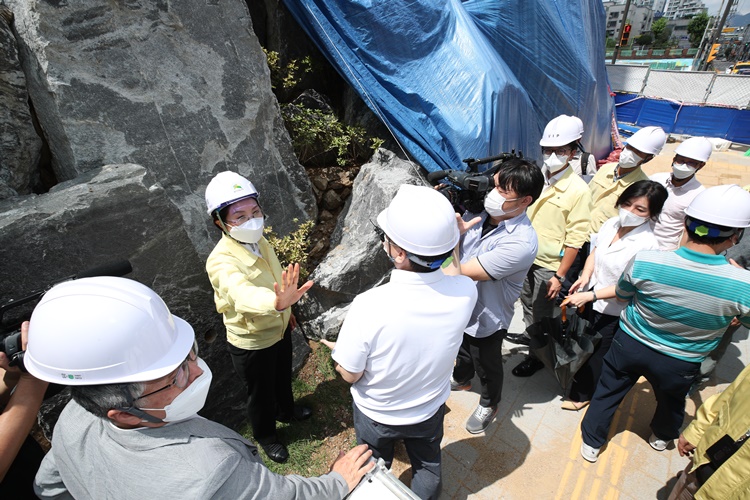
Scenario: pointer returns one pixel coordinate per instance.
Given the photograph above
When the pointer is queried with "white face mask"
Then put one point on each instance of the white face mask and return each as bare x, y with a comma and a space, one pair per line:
629, 219
493, 204
554, 162
249, 231
628, 159
682, 171
191, 400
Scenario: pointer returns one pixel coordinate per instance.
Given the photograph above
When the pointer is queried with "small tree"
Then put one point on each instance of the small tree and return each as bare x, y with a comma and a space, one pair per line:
658, 27
696, 27
661, 33
644, 39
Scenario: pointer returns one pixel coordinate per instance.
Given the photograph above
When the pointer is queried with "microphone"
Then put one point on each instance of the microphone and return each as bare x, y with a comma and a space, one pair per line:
117, 268
438, 174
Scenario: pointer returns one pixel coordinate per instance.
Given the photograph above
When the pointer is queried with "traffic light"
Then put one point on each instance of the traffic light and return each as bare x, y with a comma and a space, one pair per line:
712, 52
625, 36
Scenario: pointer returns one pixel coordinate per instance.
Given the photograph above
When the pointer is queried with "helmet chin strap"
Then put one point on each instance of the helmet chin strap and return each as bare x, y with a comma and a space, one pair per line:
217, 212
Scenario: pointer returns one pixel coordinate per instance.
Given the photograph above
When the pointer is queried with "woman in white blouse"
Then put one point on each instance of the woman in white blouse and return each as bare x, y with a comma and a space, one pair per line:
618, 240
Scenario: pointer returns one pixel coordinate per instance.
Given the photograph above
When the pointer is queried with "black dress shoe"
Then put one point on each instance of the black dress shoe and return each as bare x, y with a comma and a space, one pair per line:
276, 452
527, 367
299, 413
517, 338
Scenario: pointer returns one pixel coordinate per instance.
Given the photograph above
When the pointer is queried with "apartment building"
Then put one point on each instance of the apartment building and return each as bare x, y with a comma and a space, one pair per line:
640, 16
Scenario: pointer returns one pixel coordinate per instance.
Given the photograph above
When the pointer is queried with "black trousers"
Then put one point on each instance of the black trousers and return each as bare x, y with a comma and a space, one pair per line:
485, 358
422, 442
268, 375
625, 362
588, 375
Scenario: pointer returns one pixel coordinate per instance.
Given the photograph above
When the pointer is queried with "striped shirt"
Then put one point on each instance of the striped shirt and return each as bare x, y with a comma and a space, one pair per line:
681, 302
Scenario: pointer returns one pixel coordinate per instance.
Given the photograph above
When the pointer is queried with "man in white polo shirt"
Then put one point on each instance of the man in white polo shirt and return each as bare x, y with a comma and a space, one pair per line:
683, 187
398, 342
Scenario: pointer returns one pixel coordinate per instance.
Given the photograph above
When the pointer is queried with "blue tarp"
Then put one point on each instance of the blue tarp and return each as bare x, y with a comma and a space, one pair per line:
731, 124
456, 79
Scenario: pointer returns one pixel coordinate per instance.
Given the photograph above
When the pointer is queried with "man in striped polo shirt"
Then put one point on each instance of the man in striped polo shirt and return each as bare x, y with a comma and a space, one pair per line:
680, 304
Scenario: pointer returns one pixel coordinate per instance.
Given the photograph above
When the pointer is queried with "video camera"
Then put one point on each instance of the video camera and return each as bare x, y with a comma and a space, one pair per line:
466, 189
11, 344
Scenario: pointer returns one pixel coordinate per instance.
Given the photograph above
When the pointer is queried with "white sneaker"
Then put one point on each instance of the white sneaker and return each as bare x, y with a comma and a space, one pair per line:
656, 443
589, 454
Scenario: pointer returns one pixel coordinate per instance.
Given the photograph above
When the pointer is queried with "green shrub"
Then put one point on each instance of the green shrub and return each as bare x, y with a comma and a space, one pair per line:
317, 135
292, 248
288, 76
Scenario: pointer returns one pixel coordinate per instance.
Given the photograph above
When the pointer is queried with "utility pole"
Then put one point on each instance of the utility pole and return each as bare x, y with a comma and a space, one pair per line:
717, 32
698, 59
622, 30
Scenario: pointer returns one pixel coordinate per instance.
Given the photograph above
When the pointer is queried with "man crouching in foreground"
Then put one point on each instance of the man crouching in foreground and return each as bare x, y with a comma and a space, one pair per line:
132, 429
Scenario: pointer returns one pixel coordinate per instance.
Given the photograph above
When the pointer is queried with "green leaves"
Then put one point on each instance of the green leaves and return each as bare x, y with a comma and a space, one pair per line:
292, 248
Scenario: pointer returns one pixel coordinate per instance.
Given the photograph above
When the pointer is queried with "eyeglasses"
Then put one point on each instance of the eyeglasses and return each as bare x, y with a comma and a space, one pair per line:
182, 376
256, 214
690, 163
558, 151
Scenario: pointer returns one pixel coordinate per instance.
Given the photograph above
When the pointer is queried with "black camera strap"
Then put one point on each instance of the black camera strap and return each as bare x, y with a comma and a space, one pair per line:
718, 453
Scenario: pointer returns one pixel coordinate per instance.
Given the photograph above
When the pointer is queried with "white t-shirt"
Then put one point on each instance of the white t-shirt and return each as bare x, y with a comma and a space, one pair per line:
668, 230
405, 336
611, 259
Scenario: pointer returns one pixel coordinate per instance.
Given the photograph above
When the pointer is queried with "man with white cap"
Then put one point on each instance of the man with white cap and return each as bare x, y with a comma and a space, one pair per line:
683, 187
612, 178
399, 341
679, 305
561, 216
137, 383
570, 129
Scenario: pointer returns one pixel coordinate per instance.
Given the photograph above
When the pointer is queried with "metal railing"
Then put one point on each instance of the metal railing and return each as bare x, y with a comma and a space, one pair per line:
690, 87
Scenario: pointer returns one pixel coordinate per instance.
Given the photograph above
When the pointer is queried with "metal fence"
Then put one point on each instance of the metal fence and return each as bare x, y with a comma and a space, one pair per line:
689, 87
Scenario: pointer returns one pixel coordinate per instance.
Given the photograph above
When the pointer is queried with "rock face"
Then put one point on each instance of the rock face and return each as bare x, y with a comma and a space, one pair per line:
356, 261
181, 88
20, 146
113, 213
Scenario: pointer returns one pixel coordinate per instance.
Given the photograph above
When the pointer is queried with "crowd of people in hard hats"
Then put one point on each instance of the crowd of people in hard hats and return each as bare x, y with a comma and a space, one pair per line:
646, 254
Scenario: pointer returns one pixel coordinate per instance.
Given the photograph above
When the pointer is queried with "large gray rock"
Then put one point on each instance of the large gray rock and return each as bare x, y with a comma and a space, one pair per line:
20, 145
181, 88
118, 212
357, 261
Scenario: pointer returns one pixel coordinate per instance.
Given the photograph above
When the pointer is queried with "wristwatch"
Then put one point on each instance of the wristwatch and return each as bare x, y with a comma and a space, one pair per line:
558, 278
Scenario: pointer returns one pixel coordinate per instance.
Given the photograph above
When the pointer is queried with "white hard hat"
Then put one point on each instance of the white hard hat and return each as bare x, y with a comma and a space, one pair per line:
649, 140
421, 221
226, 188
727, 205
104, 330
696, 148
561, 131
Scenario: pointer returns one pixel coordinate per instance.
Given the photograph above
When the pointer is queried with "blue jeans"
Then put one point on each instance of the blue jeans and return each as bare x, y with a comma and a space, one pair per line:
626, 361
422, 443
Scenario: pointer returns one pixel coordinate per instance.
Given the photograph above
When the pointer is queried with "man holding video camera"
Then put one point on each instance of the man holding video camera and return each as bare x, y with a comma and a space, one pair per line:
496, 253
